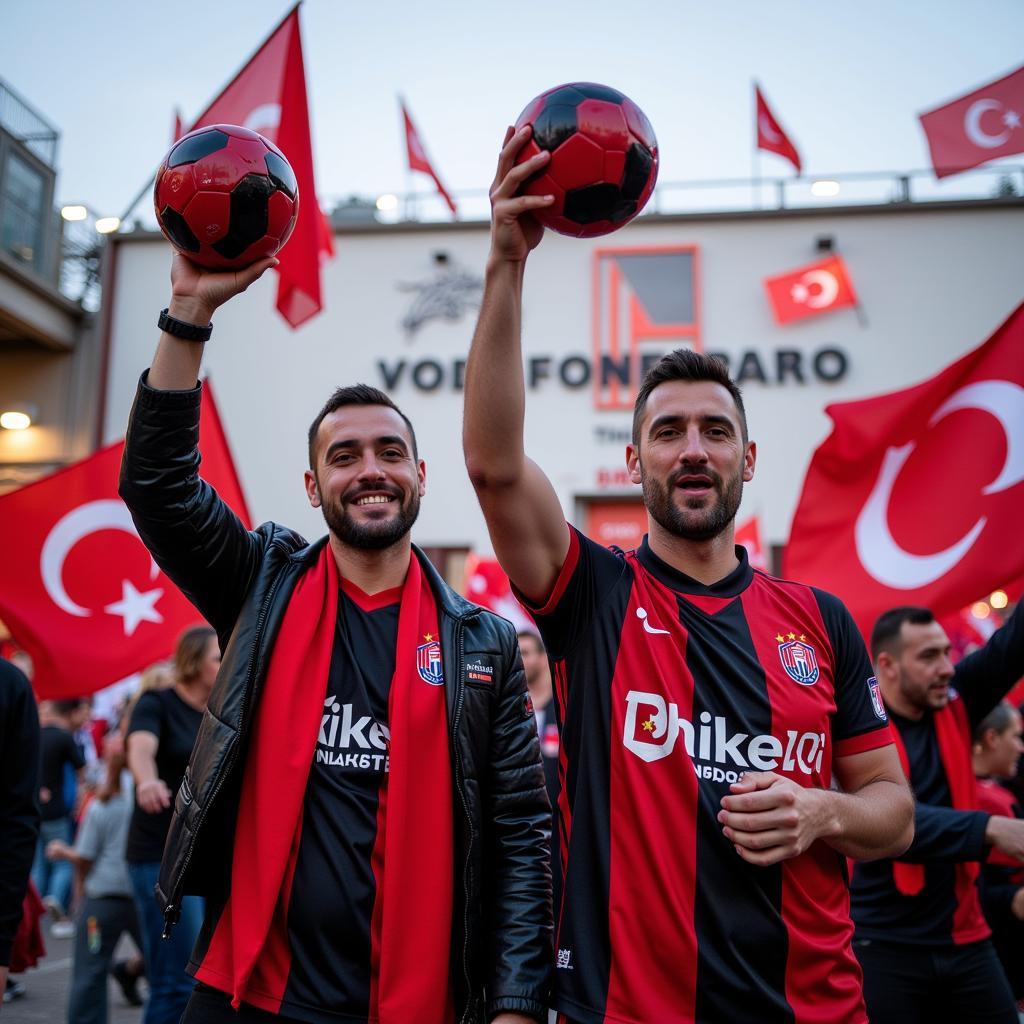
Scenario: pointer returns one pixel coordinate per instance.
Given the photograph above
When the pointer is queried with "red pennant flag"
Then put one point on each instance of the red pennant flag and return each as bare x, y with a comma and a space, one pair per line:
418, 159
915, 497
770, 134
488, 586
981, 126
81, 593
269, 96
749, 535
810, 290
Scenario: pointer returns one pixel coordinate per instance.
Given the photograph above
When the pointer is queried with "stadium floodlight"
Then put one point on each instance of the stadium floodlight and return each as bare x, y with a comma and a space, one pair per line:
108, 225
74, 211
387, 202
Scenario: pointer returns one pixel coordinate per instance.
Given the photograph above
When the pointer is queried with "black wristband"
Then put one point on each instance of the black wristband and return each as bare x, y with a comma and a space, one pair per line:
183, 330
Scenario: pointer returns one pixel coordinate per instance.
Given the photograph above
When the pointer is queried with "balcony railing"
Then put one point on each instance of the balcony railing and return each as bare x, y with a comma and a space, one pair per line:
28, 127
729, 195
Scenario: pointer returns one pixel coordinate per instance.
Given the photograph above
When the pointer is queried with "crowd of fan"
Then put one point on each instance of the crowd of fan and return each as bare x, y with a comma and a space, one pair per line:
105, 792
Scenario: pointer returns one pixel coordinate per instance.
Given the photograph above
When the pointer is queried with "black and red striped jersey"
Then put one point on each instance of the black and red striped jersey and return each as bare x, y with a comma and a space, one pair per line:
667, 691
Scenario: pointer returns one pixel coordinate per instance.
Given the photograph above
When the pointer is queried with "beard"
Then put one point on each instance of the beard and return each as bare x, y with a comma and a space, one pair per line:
695, 520
375, 535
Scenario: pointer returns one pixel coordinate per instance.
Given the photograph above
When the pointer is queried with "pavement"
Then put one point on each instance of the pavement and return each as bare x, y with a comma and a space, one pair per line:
47, 986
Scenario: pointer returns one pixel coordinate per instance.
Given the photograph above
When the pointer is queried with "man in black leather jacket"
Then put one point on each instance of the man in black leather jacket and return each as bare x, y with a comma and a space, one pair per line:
325, 954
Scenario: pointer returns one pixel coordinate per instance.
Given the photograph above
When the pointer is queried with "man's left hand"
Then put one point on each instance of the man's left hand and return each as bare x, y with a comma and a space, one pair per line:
769, 818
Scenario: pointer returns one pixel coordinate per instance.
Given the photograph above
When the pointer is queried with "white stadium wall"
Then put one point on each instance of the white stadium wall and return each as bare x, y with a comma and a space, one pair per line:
933, 282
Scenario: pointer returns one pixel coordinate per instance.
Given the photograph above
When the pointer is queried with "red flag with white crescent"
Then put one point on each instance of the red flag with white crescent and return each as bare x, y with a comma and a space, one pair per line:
983, 125
81, 593
418, 159
269, 96
915, 497
771, 136
810, 290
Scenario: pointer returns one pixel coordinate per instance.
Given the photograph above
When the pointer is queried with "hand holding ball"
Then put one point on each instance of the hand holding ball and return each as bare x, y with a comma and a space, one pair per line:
226, 197
604, 158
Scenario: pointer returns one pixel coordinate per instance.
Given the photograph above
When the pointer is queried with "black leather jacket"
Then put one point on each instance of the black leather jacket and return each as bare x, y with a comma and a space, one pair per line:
241, 582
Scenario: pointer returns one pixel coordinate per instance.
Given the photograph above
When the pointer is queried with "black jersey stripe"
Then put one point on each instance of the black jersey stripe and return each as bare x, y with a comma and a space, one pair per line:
741, 938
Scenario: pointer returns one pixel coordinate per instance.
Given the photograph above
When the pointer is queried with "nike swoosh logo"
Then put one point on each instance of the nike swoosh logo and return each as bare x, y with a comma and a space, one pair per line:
641, 614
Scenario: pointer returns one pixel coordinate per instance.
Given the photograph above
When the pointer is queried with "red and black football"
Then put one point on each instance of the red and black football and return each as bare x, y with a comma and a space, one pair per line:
604, 158
226, 197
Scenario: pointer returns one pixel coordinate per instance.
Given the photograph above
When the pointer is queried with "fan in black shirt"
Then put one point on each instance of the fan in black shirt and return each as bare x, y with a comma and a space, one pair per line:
927, 955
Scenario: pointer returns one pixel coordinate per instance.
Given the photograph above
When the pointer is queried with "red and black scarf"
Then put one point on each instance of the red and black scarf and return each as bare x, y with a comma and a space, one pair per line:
413, 854
953, 734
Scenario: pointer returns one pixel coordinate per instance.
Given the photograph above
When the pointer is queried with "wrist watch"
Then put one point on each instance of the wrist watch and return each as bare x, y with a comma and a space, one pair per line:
183, 330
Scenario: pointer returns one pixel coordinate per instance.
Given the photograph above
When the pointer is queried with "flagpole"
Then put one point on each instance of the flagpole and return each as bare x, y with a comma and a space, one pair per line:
755, 166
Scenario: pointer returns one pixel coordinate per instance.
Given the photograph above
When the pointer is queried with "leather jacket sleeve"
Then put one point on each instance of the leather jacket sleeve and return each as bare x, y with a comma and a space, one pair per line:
519, 815
194, 536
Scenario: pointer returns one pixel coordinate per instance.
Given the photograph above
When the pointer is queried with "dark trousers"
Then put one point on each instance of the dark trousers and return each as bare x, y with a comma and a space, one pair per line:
210, 1006
100, 923
934, 984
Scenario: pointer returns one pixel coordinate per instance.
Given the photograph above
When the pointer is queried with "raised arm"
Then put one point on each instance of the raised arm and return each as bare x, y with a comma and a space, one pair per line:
193, 535
524, 517
196, 294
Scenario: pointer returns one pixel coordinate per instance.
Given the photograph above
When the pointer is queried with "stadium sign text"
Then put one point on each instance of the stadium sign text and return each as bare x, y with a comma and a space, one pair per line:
781, 366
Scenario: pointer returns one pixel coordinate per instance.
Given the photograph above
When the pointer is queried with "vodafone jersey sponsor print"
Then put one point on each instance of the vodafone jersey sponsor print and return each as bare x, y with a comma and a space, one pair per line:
668, 691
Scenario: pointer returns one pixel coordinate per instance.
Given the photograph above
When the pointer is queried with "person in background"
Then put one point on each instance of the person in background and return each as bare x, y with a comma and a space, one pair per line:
995, 756
19, 810
107, 910
158, 676
163, 728
57, 752
921, 937
538, 684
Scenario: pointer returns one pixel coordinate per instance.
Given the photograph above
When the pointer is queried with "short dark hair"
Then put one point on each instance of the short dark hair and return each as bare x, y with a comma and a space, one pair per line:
685, 364
65, 707
886, 632
355, 394
531, 634
999, 718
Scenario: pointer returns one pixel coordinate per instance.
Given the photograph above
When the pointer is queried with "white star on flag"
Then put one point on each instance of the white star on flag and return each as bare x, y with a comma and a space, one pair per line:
135, 607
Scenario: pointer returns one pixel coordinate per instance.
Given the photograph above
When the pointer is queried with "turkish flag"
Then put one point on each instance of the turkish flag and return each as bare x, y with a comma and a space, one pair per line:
916, 496
810, 290
269, 96
418, 159
981, 126
770, 134
81, 593
488, 586
749, 535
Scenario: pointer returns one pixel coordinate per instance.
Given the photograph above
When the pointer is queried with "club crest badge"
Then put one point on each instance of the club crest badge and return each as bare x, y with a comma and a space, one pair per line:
876, 698
799, 661
428, 662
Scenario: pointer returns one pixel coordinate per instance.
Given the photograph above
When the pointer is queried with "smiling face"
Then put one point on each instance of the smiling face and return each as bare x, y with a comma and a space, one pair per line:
691, 458
366, 478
